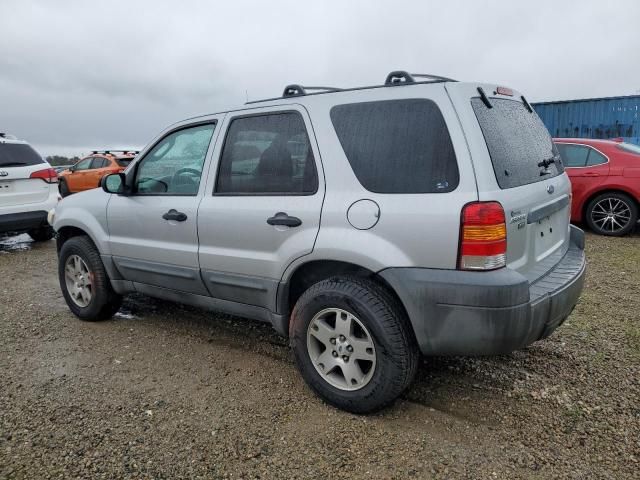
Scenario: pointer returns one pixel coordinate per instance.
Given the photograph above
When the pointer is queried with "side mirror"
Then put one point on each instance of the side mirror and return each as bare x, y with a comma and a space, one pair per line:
114, 183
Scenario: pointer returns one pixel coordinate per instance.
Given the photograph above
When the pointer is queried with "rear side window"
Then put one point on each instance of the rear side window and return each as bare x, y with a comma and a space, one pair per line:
573, 155
517, 141
397, 146
595, 158
18, 155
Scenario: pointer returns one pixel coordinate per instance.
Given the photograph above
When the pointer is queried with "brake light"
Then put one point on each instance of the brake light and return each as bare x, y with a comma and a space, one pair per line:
483, 237
504, 91
49, 175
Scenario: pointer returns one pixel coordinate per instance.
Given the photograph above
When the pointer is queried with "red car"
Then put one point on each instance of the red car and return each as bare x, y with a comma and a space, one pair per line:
605, 180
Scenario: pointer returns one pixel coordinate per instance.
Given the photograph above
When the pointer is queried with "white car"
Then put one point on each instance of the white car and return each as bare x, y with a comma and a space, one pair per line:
28, 189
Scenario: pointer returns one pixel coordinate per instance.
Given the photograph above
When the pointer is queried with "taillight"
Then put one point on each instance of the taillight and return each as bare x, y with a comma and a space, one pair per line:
483, 237
49, 175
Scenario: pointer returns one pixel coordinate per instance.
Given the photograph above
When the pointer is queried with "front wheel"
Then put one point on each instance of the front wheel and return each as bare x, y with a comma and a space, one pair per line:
613, 214
353, 344
63, 188
84, 281
42, 234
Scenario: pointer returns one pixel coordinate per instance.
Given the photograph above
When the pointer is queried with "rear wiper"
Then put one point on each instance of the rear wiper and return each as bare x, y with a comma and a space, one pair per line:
12, 164
547, 162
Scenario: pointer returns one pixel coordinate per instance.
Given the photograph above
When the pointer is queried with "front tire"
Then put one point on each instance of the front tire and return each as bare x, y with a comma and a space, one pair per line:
42, 234
63, 188
613, 214
353, 344
84, 281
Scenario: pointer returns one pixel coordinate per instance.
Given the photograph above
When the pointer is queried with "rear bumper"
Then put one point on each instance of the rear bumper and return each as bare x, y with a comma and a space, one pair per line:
484, 313
21, 222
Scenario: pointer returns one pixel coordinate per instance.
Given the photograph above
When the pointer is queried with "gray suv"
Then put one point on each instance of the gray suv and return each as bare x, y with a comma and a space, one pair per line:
368, 225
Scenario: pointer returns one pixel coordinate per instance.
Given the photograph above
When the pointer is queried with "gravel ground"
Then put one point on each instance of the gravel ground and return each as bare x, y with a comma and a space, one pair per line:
164, 391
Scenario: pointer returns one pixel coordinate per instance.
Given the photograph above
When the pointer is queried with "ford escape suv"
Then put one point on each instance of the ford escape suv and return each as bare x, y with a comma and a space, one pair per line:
368, 225
28, 189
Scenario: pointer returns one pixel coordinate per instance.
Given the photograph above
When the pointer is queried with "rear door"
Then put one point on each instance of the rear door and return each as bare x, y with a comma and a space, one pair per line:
261, 208
17, 162
517, 164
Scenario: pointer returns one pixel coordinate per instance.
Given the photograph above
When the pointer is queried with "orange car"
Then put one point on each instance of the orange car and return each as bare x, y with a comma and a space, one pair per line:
87, 173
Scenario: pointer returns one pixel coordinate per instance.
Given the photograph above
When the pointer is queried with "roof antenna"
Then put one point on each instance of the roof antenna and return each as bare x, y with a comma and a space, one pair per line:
246, 95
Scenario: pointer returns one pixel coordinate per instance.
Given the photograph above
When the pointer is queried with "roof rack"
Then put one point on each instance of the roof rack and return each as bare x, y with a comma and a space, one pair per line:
400, 77
108, 152
296, 90
395, 78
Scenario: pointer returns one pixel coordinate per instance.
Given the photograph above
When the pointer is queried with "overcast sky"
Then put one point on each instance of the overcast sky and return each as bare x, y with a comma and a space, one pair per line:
77, 75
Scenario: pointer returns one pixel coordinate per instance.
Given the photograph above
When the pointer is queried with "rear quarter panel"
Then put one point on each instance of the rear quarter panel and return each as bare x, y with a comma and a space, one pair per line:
419, 230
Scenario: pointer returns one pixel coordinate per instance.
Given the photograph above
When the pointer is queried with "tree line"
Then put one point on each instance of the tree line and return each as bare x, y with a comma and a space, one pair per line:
59, 160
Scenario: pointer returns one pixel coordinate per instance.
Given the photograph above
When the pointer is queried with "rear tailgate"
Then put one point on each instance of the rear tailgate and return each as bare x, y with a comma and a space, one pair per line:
17, 162
508, 143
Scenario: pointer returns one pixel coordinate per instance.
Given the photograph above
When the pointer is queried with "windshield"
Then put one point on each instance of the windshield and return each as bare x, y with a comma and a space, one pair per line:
18, 155
630, 147
519, 144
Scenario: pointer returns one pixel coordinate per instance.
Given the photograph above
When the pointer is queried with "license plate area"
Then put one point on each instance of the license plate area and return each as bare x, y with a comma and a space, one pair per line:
549, 235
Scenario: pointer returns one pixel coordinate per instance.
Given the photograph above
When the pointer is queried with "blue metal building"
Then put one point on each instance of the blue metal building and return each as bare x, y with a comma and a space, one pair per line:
611, 117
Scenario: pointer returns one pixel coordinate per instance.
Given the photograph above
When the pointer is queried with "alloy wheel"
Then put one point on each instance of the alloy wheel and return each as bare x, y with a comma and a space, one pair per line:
341, 349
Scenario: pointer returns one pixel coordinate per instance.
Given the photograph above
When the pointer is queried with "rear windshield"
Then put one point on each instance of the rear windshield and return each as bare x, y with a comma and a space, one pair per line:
518, 143
124, 162
18, 155
397, 146
630, 148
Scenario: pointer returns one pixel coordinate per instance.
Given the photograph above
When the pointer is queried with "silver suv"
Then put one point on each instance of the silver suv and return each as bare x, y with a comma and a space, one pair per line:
368, 225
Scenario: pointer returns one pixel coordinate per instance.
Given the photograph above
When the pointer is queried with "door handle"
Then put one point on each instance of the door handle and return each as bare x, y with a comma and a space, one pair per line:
175, 215
591, 174
281, 218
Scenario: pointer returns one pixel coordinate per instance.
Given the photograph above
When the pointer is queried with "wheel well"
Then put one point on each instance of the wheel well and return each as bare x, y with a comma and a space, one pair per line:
65, 233
596, 194
313, 272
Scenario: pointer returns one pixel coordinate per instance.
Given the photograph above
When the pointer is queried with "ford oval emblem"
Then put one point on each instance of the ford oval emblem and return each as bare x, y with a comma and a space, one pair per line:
3, 173
550, 189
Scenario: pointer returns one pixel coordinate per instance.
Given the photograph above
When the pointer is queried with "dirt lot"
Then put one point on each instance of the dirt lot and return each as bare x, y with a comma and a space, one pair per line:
165, 391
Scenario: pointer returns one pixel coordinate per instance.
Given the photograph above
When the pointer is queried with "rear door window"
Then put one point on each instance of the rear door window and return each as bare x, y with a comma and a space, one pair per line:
267, 154
18, 155
518, 142
397, 146
573, 155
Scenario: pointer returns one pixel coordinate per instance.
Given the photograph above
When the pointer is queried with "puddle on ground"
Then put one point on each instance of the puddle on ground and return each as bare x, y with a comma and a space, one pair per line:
15, 243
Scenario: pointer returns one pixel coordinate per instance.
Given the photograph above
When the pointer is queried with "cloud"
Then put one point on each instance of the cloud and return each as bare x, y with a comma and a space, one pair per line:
79, 75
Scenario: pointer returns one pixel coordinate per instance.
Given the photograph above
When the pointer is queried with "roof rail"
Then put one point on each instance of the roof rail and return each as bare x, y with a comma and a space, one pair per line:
395, 78
400, 77
295, 90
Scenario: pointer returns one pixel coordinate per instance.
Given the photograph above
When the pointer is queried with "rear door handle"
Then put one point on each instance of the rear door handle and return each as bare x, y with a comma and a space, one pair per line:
281, 218
175, 215
591, 174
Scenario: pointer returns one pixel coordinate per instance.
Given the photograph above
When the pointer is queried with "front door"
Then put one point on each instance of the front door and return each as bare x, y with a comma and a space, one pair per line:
153, 232
262, 209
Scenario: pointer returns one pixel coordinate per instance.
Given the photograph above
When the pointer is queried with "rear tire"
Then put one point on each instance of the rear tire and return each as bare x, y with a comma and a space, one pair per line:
380, 344
84, 281
42, 234
613, 214
63, 188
